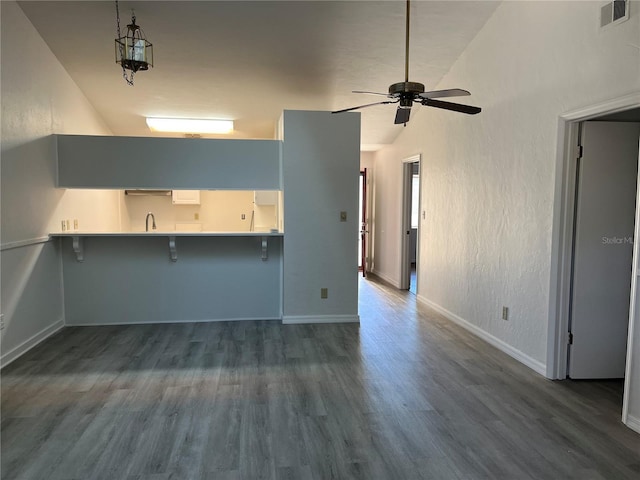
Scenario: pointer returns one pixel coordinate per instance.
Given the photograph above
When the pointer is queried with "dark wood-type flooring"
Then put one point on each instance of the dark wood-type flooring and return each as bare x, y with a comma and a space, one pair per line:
404, 395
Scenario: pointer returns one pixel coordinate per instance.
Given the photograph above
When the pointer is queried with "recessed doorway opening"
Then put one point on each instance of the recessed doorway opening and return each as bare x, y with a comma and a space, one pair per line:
585, 241
362, 233
411, 208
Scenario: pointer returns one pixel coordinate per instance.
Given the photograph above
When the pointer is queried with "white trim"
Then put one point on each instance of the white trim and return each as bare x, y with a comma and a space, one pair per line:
385, 278
299, 319
153, 322
633, 423
633, 313
24, 243
29, 343
523, 358
615, 105
562, 228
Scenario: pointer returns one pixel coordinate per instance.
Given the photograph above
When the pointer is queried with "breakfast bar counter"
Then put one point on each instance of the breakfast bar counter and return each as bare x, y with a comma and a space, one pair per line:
78, 237
171, 276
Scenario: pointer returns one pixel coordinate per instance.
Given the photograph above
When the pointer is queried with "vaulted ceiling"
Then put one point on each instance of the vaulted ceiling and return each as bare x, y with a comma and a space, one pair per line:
247, 61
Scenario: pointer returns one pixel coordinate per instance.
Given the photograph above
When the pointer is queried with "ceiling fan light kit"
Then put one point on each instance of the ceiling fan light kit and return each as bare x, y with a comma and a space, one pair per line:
406, 93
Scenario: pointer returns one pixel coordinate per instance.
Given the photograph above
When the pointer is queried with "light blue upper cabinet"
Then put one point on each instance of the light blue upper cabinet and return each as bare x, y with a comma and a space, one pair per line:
168, 163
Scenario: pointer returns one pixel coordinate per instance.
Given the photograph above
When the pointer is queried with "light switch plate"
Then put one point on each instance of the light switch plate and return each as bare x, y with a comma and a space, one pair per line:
343, 216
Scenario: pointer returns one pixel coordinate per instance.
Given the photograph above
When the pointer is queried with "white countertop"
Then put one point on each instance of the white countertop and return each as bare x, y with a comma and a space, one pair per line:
165, 233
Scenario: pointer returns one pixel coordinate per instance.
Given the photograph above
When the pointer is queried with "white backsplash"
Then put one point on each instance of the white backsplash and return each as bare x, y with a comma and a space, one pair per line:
219, 210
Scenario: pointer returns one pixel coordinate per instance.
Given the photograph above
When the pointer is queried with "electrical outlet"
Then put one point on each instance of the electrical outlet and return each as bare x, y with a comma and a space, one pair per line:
324, 293
196, 216
505, 313
75, 224
343, 216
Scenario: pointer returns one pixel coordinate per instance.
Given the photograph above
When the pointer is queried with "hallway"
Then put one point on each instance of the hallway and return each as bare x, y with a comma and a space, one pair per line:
404, 395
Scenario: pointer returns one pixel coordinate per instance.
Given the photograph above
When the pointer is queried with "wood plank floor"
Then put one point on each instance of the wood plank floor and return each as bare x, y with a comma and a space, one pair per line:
405, 395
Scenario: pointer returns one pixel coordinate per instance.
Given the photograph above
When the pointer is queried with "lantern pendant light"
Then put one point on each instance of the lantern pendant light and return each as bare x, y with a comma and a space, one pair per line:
133, 51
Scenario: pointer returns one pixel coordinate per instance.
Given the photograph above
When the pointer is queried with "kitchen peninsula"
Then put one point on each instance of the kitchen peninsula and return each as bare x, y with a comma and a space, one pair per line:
220, 259
156, 277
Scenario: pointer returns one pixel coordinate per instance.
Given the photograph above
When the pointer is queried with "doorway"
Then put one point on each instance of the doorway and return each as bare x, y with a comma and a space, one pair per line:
362, 234
622, 109
605, 193
411, 208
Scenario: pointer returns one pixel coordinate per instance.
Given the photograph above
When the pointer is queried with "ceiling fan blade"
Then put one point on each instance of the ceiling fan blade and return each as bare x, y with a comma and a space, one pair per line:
402, 115
364, 106
456, 107
452, 92
370, 93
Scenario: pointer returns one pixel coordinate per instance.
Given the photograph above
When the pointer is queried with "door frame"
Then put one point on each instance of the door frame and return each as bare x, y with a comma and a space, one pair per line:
562, 236
362, 180
405, 223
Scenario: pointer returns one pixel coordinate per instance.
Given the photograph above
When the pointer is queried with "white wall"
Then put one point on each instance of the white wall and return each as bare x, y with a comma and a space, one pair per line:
488, 180
95, 210
321, 156
367, 160
219, 210
38, 99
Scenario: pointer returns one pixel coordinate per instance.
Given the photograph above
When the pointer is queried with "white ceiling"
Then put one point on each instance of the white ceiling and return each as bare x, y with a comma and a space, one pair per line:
248, 61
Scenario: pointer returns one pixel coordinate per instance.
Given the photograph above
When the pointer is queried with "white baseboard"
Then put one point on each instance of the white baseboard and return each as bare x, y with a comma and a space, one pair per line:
28, 344
387, 279
530, 362
633, 423
298, 319
154, 322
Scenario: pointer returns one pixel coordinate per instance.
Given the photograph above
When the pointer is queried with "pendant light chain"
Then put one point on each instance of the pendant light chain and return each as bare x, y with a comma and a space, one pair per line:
129, 80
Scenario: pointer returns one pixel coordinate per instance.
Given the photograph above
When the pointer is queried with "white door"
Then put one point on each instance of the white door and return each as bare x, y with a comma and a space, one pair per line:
603, 249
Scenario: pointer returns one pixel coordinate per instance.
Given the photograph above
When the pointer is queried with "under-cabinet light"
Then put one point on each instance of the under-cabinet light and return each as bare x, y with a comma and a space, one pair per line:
189, 125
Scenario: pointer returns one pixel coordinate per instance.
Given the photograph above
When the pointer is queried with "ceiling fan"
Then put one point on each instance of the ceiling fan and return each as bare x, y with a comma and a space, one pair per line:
406, 93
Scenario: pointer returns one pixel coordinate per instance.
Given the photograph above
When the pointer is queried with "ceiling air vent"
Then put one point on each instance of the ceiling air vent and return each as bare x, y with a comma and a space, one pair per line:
614, 12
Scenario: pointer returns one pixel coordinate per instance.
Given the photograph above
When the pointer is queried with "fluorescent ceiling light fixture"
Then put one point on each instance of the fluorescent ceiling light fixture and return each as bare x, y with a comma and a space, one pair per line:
189, 125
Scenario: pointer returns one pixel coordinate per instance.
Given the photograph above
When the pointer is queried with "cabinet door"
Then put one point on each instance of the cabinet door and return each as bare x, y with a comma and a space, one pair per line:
266, 197
185, 197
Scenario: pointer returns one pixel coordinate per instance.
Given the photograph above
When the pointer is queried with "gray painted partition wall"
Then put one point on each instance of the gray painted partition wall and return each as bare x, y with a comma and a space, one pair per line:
132, 280
168, 163
321, 167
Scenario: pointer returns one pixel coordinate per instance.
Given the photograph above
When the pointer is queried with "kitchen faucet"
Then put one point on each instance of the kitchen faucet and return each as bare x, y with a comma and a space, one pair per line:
146, 221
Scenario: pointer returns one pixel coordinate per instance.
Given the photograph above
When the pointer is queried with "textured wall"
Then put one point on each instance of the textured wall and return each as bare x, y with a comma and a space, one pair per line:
38, 99
489, 180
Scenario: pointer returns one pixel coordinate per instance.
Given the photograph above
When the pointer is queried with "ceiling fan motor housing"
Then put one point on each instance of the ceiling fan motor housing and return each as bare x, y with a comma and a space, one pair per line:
406, 91
406, 87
